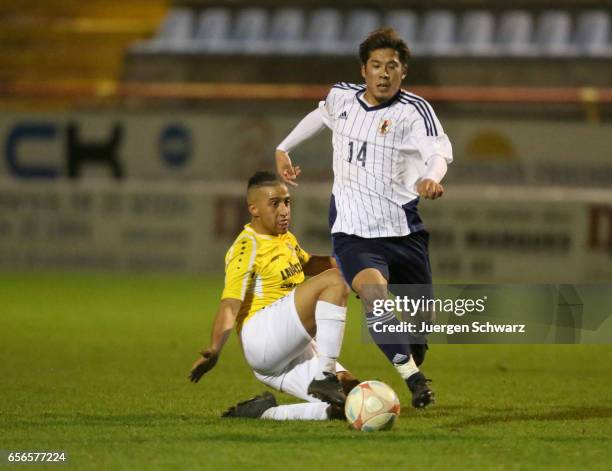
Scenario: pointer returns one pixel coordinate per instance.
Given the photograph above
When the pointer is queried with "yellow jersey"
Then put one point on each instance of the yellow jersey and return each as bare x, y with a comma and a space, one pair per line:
260, 269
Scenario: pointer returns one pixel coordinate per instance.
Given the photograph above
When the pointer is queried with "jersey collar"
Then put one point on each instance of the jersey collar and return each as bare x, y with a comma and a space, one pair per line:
386, 104
248, 228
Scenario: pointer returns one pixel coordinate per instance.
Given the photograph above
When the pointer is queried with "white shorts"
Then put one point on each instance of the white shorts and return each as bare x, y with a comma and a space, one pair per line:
279, 350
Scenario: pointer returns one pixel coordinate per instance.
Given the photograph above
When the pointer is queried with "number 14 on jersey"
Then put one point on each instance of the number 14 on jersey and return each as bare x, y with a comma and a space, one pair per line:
361, 153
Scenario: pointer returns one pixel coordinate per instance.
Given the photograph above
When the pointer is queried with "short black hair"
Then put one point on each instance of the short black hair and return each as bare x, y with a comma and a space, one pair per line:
384, 38
263, 178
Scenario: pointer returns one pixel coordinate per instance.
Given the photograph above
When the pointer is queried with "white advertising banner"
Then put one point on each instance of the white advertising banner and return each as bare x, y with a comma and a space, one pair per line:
136, 226
234, 143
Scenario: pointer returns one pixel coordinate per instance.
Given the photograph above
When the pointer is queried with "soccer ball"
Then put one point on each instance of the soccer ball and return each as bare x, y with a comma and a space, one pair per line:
371, 406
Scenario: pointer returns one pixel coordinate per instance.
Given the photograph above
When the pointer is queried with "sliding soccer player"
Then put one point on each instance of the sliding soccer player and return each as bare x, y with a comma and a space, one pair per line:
278, 313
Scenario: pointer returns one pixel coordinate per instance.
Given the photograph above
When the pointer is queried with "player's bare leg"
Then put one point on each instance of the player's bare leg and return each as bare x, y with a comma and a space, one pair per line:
321, 306
326, 291
329, 287
371, 285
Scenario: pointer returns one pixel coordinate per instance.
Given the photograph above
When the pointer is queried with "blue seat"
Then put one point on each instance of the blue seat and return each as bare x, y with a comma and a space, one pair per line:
476, 33
173, 35
287, 31
405, 22
359, 24
592, 35
553, 33
438, 33
515, 33
249, 31
323, 33
212, 31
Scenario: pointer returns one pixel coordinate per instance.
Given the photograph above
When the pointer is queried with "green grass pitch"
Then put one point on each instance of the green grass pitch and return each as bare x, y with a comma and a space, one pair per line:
96, 365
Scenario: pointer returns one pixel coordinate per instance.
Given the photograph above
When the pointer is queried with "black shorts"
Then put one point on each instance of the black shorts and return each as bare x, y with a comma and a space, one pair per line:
401, 260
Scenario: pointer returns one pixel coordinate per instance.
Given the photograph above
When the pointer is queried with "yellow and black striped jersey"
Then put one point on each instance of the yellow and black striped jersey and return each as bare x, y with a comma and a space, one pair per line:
260, 269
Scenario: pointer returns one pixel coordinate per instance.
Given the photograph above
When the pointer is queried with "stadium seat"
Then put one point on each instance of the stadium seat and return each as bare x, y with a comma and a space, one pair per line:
553, 33
249, 31
405, 22
438, 33
515, 32
212, 31
174, 34
476, 33
593, 34
287, 31
323, 31
359, 24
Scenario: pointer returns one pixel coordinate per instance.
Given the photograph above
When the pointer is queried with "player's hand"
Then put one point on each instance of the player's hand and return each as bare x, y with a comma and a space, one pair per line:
203, 365
429, 189
285, 168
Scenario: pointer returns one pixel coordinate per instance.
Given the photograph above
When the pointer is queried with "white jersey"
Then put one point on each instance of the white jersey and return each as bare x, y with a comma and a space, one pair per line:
380, 153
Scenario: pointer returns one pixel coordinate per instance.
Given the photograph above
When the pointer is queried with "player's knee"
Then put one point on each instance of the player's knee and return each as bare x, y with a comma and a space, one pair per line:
369, 294
335, 282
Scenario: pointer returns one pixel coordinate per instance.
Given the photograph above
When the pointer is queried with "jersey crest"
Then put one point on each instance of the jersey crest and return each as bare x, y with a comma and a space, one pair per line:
385, 127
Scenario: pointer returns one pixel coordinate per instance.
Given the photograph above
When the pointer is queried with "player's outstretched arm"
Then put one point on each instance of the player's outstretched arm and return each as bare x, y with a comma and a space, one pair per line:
311, 124
285, 168
222, 328
429, 189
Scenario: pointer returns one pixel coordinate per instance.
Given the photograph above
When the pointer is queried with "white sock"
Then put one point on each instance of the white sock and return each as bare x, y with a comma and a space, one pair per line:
407, 369
304, 411
330, 319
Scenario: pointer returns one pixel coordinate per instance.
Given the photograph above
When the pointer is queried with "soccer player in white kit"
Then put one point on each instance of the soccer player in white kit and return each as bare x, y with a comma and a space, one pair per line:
389, 150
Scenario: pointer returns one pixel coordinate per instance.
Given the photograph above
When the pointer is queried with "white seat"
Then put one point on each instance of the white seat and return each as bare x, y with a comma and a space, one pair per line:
553, 33
174, 34
323, 32
359, 24
593, 33
287, 24
250, 30
515, 33
213, 30
438, 33
476, 33
287, 31
405, 23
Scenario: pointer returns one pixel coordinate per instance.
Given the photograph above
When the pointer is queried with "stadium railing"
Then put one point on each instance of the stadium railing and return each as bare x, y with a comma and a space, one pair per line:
261, 91
590, 102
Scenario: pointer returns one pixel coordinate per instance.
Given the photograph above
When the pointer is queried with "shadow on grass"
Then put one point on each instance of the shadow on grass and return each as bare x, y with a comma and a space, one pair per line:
148, 428
562, 414
313, 436
85, 420
194, 428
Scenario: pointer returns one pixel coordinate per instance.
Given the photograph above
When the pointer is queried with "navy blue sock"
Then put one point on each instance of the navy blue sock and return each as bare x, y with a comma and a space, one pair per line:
394, 345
